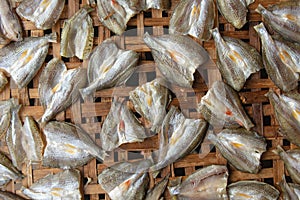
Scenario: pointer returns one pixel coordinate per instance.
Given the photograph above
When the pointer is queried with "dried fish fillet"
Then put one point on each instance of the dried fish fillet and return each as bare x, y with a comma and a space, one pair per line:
7, 170
284, 18
9, 196
23, 59
155, 192
236, 60
119, 127
109, 66
59, 87
63, 185
205, 184
68, 146
221, 107
244, 190
291, 191
193, 17
235, 11
278, 61
177, 57
179, 136
44, 13
77, 35
5, 116
150, 101
242, 148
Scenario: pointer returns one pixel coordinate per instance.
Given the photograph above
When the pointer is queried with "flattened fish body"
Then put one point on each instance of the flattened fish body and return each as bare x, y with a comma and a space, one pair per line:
277, 61
109, 66
291, 191
155, 192
236, 60
23, 59
193, 17
7, 170
63, 185
207, 183
44, 13
5, 116
177, 57
77, 35
242, 148
221, 107
68, 146
245, 190
9, 196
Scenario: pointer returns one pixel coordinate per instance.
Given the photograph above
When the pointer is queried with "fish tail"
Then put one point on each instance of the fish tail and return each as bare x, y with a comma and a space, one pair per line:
260, 9
84, 93
260, 29
279, 150
88, 8
175, 183
248, 2
52, 37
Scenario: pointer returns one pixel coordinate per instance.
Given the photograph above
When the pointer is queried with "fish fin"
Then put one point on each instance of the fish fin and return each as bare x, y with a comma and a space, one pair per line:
244, 196
248, 2
260, 9
52, 37
237, 145
155, 173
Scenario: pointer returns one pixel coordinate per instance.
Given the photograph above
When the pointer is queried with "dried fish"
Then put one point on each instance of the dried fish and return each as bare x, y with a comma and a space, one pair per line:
155, 192
32, 141
236, 60
291, 161
9, 196
109, 66
10, 27
68, 146
284, 18
77, 35
243, 190
23, 59
193, 17
291, 191
5, 116
287, 111
278, 61
59, 87
3, 81
177, 57
44, 13
150, 101
120, 126
179, 136
63, 185
205, 184
7, 170
221, 107
242, 148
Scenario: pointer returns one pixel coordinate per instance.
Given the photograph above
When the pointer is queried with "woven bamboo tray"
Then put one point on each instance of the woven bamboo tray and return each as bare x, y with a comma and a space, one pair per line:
91, 113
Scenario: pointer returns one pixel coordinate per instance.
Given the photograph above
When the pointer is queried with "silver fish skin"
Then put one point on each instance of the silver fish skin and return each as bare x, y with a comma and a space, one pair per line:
32, 141
68, 146
44, 13
23, 59
179, 136
284, 18
287, 114
109, 66
221, 107
234, 11
5, 116
242, 148
177, 57
291, 161
155, 4
150, 101
244, 190
120, 127
291, 191
193, 17
277, 61
207, 183
236, 60
7, 170
63, 185
155, 192
9, 196
59, 87
77, 35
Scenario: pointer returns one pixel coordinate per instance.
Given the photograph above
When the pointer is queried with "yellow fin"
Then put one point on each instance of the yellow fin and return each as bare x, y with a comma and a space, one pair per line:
296, 114
56, 88
196, 10
149, 100
236, 144
235, 56
70, 149
45, 3
291, 17
55, 194
284, 55
24, 54
244, 195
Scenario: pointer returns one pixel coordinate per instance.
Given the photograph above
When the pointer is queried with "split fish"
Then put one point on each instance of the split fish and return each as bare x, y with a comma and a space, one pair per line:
193, 17
236, 60
278, 61
155, 192
23, 59
59, 87
242, 148
7, 170
9, 196
109, 66
5, 116
221, 107
44, 13
177, 57
77, 35
291, 191
207, 183
63, 185
68, 146
245, 190
150, 101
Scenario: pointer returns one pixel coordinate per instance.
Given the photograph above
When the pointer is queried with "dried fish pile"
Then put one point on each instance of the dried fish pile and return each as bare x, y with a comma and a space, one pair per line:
52, 157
